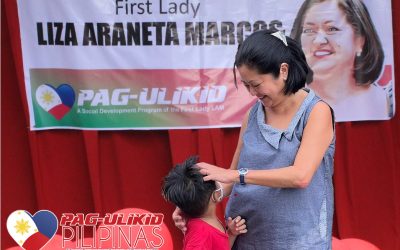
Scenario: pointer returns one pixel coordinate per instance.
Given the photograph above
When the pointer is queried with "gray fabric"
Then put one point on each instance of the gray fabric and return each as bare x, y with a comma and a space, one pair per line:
282, 218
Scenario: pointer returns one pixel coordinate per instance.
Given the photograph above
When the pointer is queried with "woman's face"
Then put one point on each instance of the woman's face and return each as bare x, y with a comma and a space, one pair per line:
328, 40
267, 88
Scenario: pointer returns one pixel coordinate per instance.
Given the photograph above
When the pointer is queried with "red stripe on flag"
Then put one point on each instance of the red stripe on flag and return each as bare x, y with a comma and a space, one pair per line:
59, 111
35, 241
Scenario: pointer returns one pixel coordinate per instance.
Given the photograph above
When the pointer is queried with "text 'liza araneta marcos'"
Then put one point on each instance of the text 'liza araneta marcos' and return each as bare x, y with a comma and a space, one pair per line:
150, 33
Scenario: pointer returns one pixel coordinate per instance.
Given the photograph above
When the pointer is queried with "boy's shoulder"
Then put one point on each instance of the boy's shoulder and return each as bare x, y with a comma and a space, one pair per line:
197, 224
201, 235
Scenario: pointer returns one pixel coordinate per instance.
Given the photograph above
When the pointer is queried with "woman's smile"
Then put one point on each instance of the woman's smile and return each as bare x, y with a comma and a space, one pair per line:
261, 97
322, 53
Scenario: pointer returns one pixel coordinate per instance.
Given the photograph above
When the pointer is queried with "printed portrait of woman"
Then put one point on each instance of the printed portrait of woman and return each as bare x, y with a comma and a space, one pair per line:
346, 57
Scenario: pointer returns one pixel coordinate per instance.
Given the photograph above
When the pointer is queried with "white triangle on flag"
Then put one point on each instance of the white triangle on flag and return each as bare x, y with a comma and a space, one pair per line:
20, 226
47, 97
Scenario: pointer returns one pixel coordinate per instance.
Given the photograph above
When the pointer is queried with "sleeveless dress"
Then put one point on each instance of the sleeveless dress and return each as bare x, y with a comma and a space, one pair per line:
282, 218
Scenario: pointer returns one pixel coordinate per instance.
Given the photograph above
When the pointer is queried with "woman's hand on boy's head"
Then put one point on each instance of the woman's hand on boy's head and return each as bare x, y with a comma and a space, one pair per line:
236, 226
179, 219
215, 173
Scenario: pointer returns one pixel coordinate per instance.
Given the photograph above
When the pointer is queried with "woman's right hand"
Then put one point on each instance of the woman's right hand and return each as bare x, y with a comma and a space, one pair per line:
179, 219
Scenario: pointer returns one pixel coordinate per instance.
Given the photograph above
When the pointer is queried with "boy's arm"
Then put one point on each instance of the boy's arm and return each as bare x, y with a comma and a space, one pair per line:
235, 227
232, 239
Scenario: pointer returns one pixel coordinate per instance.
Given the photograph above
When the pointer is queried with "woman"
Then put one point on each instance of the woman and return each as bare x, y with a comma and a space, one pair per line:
345, 55
282, 169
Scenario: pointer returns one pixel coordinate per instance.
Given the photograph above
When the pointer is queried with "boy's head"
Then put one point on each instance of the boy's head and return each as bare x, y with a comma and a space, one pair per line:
184, 186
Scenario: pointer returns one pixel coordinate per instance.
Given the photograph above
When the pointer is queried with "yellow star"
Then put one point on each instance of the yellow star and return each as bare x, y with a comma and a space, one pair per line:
22, 226
47, 97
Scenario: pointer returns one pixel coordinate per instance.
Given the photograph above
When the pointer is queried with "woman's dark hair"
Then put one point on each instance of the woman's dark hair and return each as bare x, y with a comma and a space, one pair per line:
184, 186
265, 53
368, 65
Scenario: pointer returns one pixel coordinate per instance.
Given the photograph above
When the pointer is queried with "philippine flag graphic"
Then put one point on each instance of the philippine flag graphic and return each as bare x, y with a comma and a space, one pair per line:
32, 232
58, 102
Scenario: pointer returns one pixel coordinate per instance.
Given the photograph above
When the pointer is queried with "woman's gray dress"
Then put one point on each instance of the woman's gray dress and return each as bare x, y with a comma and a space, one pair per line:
282, 218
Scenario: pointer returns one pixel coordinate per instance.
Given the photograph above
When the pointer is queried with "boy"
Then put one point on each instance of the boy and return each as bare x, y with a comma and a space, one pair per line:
184, 186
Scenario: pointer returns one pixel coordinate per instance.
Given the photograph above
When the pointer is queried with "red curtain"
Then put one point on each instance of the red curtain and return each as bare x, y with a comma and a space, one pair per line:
104, 171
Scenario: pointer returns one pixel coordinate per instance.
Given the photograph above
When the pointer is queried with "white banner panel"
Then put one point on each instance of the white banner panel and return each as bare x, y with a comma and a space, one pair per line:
162, 64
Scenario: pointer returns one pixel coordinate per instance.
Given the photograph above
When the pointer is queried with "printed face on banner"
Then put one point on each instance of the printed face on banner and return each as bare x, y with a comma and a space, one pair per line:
346, 56
168, 64
328, 40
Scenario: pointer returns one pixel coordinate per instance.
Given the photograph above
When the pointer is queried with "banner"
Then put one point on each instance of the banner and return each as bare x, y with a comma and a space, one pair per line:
164, 64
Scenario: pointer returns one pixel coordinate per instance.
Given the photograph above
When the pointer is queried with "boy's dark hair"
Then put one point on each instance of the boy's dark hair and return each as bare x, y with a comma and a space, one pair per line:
265, 53
184, 186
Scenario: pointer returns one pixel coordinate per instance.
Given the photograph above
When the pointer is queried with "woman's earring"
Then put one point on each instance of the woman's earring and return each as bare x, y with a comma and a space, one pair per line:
359, 53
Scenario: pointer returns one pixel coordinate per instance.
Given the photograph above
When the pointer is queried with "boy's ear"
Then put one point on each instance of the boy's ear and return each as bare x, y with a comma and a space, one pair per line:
212, 198
215, 199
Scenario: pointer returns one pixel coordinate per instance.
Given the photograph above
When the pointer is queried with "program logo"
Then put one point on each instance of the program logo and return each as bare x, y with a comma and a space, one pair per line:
32, 232
129, 228
56, 101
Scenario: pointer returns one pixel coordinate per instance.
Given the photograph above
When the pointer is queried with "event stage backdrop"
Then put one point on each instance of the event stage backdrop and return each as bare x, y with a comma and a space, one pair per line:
73, 171
164, 64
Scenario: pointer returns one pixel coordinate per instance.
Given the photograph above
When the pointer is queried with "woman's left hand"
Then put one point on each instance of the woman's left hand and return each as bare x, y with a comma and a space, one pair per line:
215, 173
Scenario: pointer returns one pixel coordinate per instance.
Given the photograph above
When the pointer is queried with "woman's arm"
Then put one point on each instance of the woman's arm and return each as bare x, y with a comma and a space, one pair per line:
317, 137
228, 186
178, 217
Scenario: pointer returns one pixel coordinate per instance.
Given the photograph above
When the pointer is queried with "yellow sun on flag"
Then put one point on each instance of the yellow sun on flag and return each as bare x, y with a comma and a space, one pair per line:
47, 97
22, 226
